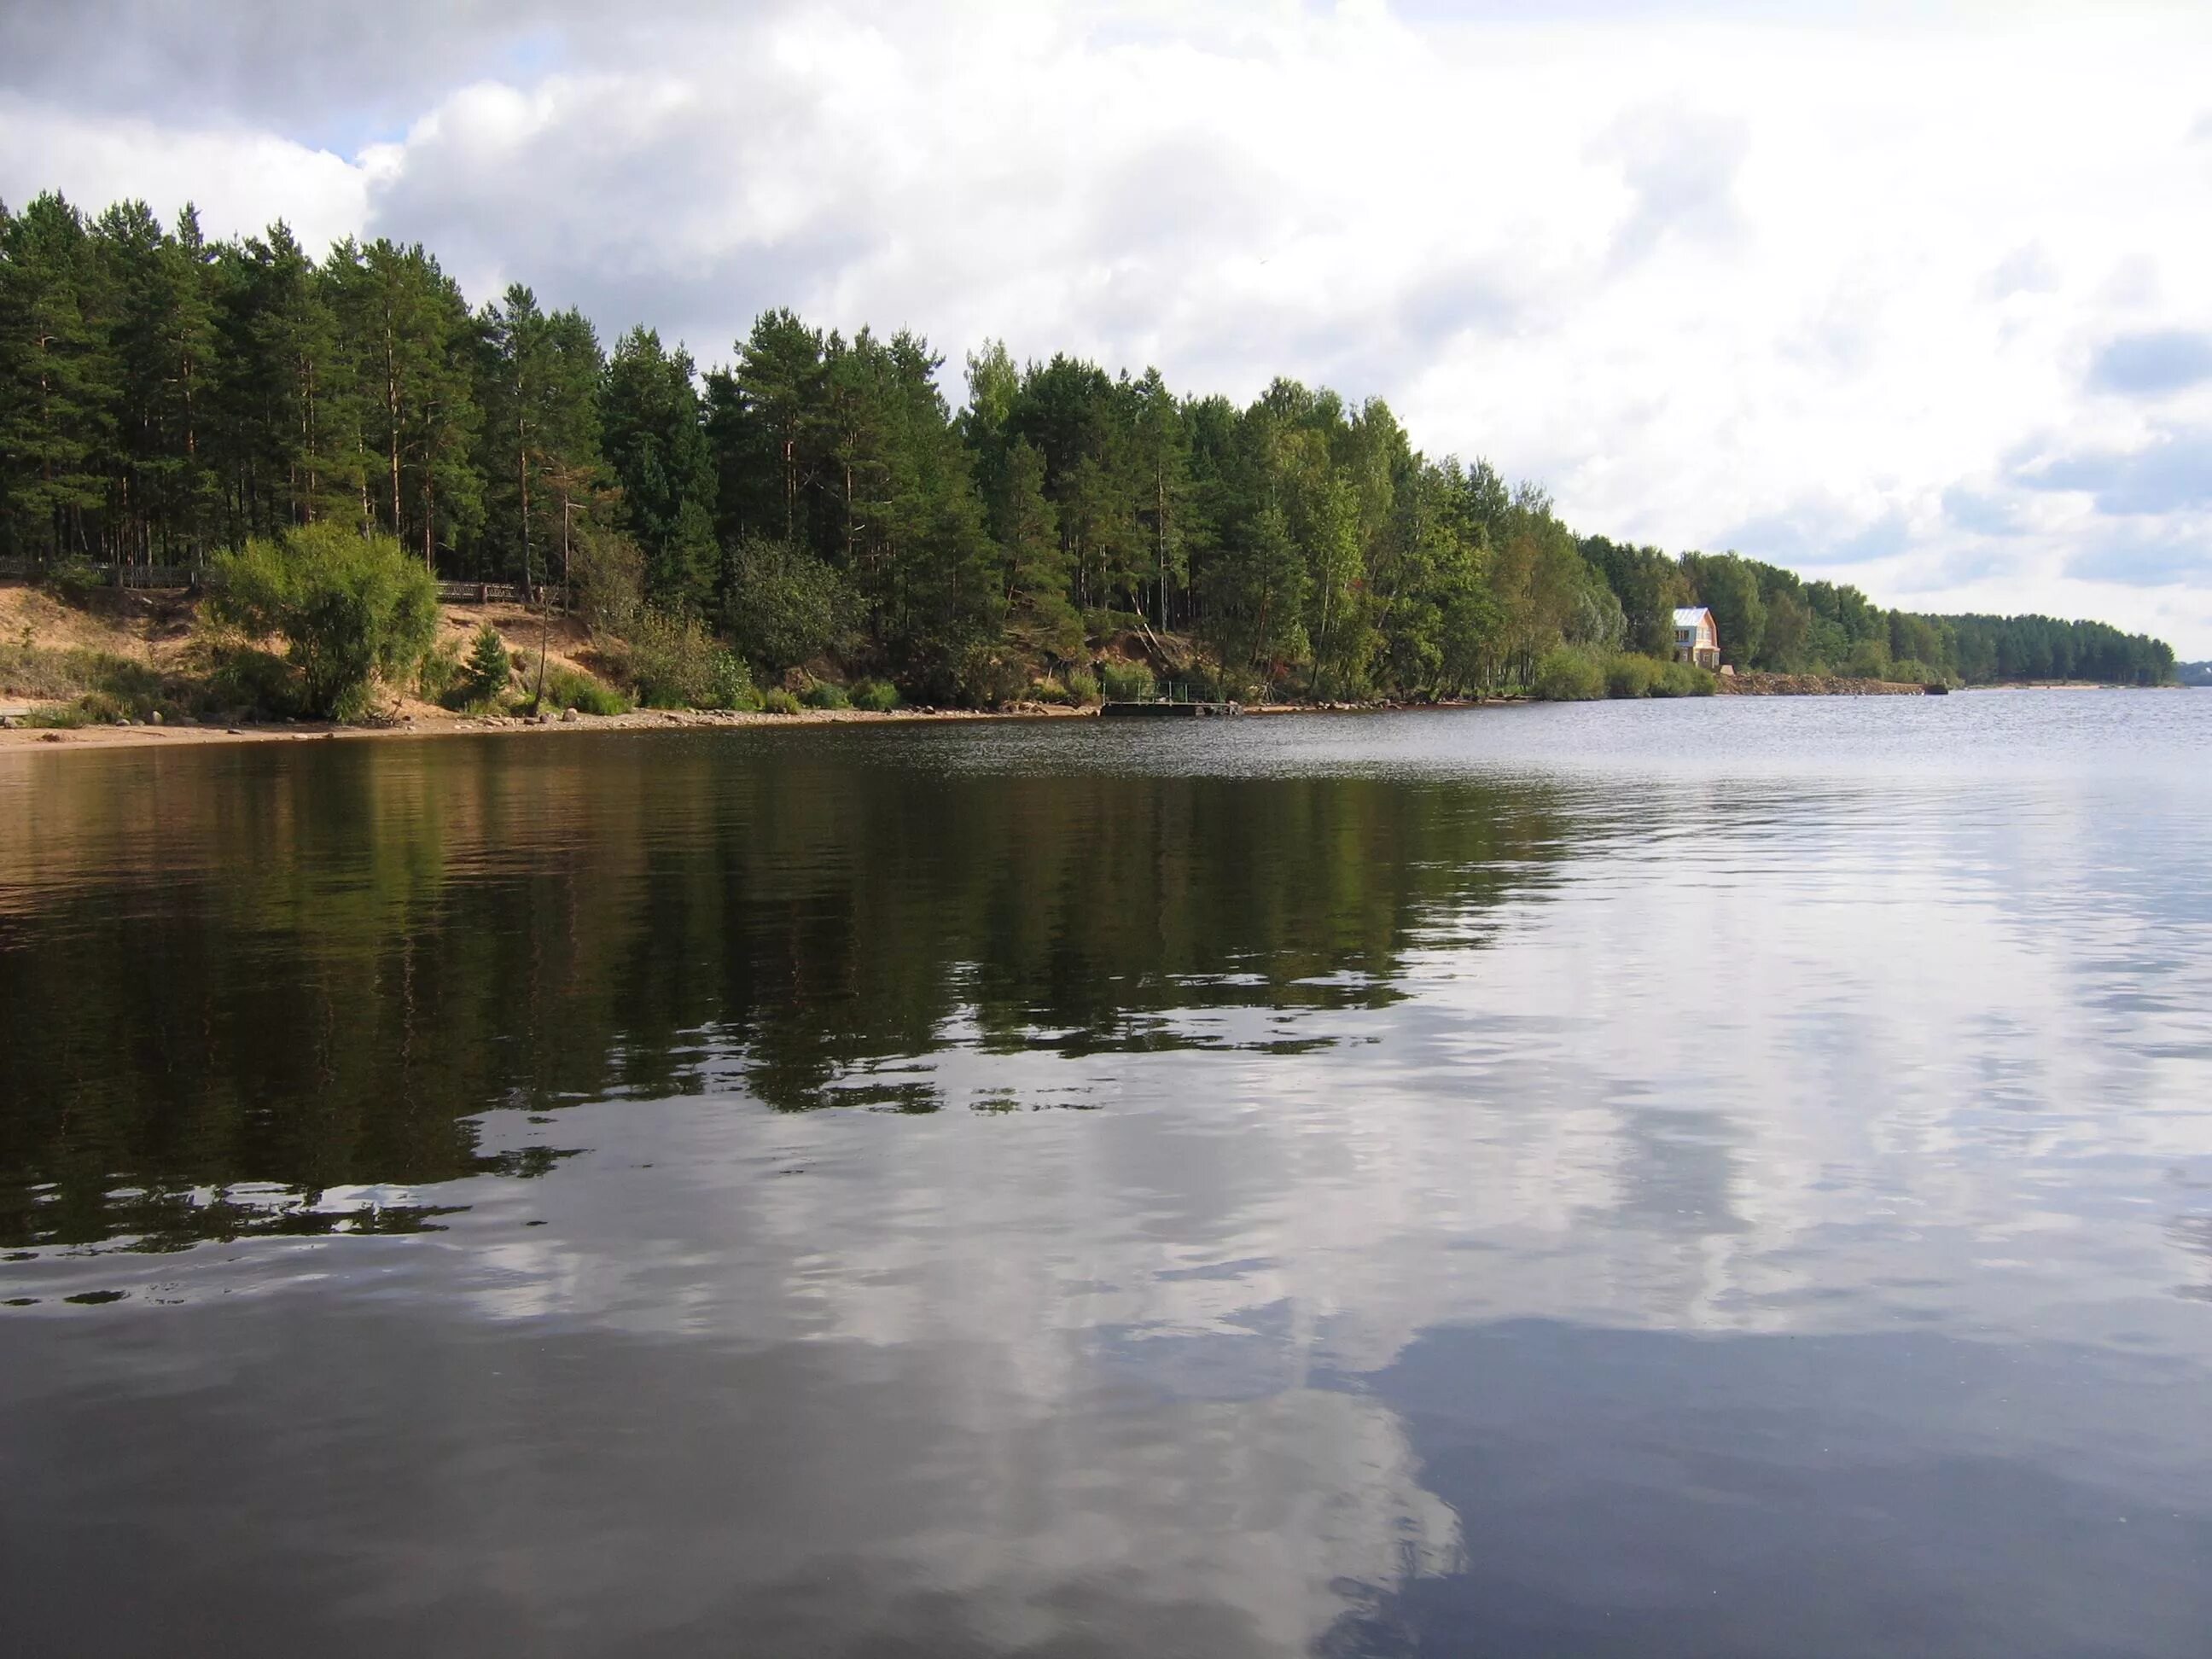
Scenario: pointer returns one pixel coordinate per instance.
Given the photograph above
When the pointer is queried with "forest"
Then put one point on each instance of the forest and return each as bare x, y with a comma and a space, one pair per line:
819, 502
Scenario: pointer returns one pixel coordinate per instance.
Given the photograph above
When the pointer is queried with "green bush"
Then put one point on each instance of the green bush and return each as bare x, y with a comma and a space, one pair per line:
877, 696
786, 605
990, 677
1129, 682
671, 662
1868, 660
729, 683
779, 702
57, 716
1047, 689
1631, 675
439, 673
1908, 671
1082, 688
566, 689
350, 608
1566, 675
824, 694
607, 577
74, 580
1682, 679
238, 678
103, 708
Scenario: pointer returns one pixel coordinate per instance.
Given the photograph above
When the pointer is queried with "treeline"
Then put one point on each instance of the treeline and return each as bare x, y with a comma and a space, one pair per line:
163, 397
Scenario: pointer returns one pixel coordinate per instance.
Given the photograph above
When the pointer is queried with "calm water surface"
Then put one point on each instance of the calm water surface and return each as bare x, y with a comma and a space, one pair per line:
1729, 1178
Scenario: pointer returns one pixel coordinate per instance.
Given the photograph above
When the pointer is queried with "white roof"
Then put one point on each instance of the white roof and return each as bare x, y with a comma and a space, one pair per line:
1687, 615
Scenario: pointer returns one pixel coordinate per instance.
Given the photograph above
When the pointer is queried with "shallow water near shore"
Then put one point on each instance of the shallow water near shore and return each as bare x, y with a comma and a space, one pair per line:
1729, 1177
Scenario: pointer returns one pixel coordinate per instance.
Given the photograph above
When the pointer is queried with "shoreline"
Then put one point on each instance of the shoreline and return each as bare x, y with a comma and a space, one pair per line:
48, 740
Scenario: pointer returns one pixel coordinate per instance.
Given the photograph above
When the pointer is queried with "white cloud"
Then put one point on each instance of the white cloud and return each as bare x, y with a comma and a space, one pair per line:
1703, 278
240, 178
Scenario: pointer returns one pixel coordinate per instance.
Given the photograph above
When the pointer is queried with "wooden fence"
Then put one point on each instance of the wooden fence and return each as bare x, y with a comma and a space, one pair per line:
452, 592
109, 575
193, 577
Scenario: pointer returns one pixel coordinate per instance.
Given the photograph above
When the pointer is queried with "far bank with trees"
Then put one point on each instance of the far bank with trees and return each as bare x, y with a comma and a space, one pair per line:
816, 512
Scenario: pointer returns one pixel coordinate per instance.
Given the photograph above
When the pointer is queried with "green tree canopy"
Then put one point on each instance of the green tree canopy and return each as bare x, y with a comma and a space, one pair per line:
349, 607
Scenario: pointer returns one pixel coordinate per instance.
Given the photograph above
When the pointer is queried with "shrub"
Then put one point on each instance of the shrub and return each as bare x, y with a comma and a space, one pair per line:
1682, 679
607, 573
824, 694
1908, 670
1868, 660
439, 671
671, 660
103, 708
1630, 676
779, 702
348, 607
877, 696
565, 688
989, 676
1129, 682
57, 716
74, 580
786, 605
1566, 675
729, 685
1082, 687
237, 676
484, 678
1047, 689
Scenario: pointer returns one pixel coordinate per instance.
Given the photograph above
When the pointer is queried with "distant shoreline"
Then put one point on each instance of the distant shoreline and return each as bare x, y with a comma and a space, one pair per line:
47, 740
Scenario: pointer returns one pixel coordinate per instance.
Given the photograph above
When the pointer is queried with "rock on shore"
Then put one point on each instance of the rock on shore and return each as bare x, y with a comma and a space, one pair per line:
1813, 686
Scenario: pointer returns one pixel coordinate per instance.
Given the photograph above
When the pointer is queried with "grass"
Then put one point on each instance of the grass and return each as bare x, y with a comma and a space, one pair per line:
877, 696
32, 671
567, 688
1129, 682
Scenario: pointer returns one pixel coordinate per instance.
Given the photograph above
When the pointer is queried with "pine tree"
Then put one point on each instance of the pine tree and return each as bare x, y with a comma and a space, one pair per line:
489, 667
539, 376
656, 450
57, 379
1036, 564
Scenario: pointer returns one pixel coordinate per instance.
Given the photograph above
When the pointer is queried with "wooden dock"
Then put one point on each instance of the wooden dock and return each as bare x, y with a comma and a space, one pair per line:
1186, 711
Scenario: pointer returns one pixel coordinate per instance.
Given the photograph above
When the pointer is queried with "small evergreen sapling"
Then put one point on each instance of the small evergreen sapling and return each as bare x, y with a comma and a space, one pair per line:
489, 666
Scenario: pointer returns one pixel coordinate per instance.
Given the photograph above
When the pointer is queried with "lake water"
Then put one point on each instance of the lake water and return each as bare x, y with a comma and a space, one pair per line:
1717, 1178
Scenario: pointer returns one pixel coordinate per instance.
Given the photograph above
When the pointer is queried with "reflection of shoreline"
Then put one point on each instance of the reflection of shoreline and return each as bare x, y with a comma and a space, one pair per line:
45, 741
312, 969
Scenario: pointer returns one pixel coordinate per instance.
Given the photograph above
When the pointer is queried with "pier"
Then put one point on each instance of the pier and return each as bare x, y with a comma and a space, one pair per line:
1187, 711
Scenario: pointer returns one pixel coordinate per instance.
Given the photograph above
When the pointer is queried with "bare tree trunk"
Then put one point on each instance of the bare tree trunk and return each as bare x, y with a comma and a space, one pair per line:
545, 612
392, 410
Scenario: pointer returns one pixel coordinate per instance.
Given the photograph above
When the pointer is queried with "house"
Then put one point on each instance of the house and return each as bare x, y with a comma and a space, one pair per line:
1696, 638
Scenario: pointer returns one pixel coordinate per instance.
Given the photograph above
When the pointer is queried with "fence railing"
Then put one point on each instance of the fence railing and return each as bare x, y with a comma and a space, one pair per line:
93, 574
453, 593
187, 576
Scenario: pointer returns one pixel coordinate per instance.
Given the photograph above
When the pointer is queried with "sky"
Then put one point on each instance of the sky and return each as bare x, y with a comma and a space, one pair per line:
1916, 298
